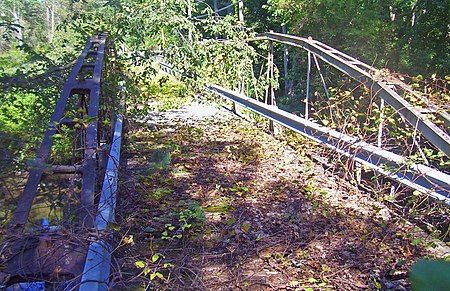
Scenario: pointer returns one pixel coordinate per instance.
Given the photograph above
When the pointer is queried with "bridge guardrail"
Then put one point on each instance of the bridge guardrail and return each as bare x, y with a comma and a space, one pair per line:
417, 176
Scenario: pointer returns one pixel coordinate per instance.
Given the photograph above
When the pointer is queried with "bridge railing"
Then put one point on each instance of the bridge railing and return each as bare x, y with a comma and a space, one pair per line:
80, 257
400, 168
83, 83
386, 89
419, 177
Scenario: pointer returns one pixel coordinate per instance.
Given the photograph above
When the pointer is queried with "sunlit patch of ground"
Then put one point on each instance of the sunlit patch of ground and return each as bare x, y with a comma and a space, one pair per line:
232, 208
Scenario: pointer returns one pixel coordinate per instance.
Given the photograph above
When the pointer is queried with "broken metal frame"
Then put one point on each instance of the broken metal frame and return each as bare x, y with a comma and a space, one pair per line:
84, 83
367, 75
98, 260
77, 83
422, 178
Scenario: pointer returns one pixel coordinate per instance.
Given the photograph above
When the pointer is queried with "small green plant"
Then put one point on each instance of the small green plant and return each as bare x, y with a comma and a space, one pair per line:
155, 271
310, 190
186, 221
239, 188
160, 193
170, 232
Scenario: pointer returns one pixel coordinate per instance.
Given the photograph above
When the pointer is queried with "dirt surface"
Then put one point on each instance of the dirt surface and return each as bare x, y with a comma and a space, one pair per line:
213, 203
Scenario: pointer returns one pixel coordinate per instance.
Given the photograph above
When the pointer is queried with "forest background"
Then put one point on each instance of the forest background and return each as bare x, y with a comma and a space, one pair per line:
41, 39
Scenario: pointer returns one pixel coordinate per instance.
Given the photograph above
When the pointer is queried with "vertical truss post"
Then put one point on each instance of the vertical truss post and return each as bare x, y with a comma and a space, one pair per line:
87, 194
286, 64
308, 81
83, 109
380, 126
321, 76
316, 61
270, 93
266, 96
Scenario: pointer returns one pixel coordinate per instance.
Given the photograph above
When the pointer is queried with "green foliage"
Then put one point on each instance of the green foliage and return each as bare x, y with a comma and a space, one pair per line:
405, 35
160, 193
202, 51
160, 93
30, 79
146, 268
11, 60
22, 121
187, 221
239, 189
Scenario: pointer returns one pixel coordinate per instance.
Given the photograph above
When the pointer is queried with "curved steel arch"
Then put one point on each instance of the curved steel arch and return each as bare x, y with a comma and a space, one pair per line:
385, 89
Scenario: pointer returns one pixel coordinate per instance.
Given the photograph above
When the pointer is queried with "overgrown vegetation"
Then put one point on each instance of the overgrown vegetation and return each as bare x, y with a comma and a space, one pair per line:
224, 202
237, 208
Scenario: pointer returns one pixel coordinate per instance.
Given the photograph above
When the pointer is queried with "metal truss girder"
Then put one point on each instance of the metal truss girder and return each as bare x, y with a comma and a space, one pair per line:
98, 260
417, 176
364, 74
74, 84
87, 194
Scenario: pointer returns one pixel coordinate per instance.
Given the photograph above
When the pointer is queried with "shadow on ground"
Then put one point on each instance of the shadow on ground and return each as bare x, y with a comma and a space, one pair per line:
231, 208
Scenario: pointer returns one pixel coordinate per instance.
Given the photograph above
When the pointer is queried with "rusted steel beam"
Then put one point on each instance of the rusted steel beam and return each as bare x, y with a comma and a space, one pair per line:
64, 169
97, 267
74, 85
86, 210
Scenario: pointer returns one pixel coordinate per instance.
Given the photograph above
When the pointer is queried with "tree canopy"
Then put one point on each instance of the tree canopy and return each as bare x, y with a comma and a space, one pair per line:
204, 40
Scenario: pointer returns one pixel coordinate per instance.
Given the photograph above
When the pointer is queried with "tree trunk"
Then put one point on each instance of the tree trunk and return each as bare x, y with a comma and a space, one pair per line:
216, 10
241, 12
50, 22
216, 15
163, 35
189, 15
17, 21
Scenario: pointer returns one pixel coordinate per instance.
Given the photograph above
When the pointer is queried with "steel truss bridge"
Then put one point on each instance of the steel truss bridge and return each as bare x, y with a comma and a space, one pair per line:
34, 254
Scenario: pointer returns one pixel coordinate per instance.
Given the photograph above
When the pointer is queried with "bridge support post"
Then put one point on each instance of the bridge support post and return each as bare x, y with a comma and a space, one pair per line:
324, 84
287, 82
380, 126
308, 81
270, 92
